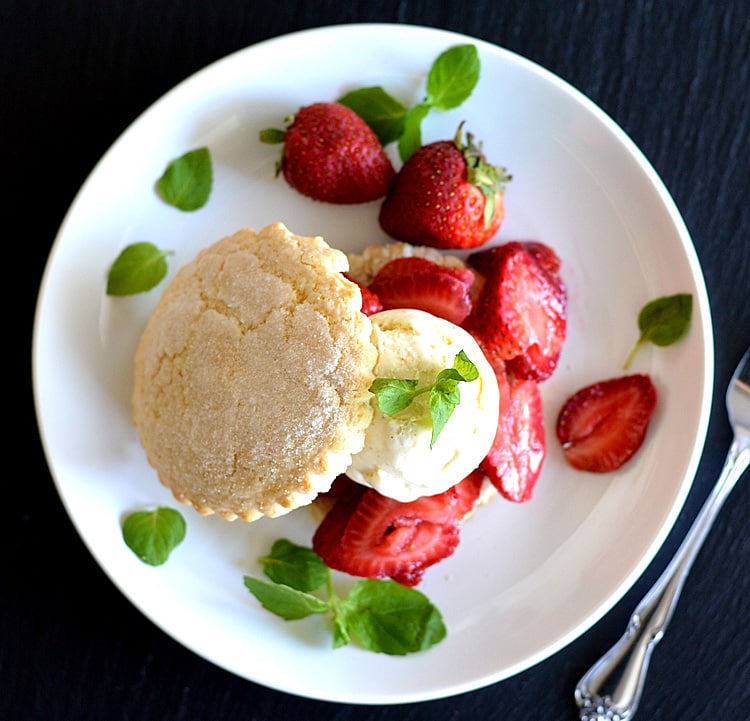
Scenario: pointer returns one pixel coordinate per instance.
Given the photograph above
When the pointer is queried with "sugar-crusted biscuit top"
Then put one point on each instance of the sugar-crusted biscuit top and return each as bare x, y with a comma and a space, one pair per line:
252, 375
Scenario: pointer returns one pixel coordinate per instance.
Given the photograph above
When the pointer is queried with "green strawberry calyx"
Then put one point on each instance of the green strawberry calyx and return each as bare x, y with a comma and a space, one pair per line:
490, 179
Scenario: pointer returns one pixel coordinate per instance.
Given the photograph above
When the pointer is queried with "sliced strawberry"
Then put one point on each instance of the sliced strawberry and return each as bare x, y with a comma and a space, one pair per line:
519, 311
515, 460
534, 363
411, 265
467, 493
604, 424
425, 285
546, 256
370, 301
367, 534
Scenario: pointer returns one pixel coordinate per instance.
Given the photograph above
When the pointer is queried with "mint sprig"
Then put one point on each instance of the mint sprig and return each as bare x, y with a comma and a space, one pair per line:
187, 181
153, 535
450, 81
663, 321
397, 394
139, 267
380, 616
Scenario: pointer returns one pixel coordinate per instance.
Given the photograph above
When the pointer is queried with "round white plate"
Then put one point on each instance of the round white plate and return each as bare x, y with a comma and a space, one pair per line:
526, 579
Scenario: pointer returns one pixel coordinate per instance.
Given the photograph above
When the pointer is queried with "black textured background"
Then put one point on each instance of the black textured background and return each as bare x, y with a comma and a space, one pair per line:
675, 74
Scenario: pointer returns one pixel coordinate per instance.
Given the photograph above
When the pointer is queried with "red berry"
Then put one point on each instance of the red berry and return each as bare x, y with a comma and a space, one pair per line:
520, 314
370, 302
370, 535
602, 425
467, 492
539, 360
420, 283
332, 155
446, 195
515, 460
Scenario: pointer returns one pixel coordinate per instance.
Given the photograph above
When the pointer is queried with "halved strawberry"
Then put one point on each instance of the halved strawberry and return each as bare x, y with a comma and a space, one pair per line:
520, 311
515, 460
370, 535
420, 283
370, 302
604, 424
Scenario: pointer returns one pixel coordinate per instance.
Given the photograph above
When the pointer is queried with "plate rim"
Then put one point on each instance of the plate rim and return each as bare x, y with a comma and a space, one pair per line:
702, 304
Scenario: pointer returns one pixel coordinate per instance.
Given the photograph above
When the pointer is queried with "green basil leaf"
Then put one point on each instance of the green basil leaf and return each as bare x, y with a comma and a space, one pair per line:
444, 397
187, 181
465, 367
453, 77
393, 394
272, 136
663, 321
381, 111
295, 566
340, 619
139, 268
386, 617
153, 535
381, 616
411, 138
285, 601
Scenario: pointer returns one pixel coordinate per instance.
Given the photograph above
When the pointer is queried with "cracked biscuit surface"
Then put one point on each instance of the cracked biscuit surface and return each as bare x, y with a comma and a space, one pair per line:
252, 375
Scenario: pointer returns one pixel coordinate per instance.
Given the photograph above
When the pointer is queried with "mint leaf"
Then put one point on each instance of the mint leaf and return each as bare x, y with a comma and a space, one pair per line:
386, 617
451, 80
663, 321
295, 566
187, 181
453, 77
381, 111
138, 268
153, 535
272, 136
341, 622
285, 601
464, 366
444, 397
381, 616
411, 138
395, 395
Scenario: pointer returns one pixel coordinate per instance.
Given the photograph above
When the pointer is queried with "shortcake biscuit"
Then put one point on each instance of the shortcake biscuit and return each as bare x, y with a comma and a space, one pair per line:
252, 375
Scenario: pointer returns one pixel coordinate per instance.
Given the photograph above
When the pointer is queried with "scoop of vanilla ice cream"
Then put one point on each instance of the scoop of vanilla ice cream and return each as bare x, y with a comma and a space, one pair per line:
397, 459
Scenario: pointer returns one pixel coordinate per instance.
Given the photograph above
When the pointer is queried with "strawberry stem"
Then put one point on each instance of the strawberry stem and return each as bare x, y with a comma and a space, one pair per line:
490, 179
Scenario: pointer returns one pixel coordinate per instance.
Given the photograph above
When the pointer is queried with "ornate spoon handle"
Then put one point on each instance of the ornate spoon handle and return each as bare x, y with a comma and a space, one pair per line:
611, 689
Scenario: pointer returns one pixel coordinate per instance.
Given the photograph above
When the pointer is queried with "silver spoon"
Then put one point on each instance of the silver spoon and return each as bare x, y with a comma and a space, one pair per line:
611, 689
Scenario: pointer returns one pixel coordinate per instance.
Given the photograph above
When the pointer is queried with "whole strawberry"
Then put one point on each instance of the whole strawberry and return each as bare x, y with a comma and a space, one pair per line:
331, 154
446, 195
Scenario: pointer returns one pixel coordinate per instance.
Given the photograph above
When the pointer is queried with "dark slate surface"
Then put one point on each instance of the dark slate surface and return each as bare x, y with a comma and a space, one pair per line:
675, 75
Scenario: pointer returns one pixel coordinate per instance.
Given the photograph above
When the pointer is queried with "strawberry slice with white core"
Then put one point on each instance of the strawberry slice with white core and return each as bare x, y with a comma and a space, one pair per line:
517, 307
539, 361
602, 425
370, 535
414, 282
515, 460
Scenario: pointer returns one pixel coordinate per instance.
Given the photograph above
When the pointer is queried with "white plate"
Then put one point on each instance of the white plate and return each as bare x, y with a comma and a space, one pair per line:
526, 579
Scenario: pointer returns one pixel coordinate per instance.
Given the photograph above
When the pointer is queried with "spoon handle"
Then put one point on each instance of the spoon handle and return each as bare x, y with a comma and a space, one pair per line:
611, 689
